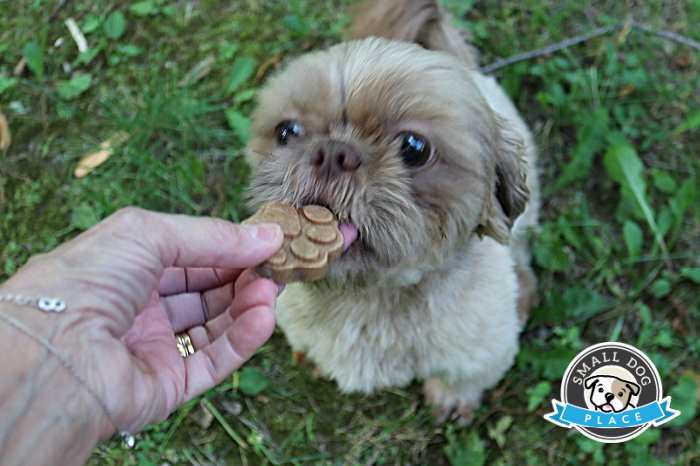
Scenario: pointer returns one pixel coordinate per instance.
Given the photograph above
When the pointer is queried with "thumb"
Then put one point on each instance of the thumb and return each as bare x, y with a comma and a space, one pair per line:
184, 241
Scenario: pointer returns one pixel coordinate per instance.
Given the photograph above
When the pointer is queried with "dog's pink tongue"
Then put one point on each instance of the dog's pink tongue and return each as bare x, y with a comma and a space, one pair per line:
349, 232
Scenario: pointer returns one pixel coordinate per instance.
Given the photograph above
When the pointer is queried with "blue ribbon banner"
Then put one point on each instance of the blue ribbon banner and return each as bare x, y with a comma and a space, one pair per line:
568, 415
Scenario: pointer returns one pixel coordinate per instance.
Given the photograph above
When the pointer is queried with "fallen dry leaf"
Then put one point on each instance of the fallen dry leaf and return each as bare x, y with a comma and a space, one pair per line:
263, 69
626, 90
93, 160
77, 35
202, 416
20, 66
199, 71
5, 136
622, 36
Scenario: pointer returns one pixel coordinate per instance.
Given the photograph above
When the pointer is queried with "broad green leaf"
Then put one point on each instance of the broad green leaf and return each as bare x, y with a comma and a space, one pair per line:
624, 167
549, 363
296, 24
239, 123
6, 83
537, 394
465, 450
252, 381
664, 338
685, 197
685, 399
89, 55
690, 123
227, 50
663, 181
691, 273
144, 8
633, 238
115, 25
71, 89
130, 50
661, 288
92, 22
498, 431
550, 250
34, 55
572, 303
244, 96
665, 221
84, 217
662, 363
241, 71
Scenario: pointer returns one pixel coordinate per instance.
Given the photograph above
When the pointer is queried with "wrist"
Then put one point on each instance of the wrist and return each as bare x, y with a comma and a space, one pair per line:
41, 401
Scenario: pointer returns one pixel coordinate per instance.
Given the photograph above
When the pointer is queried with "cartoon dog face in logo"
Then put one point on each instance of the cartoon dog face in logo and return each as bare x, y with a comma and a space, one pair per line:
611, 394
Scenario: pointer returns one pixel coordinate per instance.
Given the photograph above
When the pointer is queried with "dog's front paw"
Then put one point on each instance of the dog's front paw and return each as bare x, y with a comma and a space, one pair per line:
447, 404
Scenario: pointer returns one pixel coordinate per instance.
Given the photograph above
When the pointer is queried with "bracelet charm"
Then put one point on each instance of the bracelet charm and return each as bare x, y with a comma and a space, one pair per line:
44, 304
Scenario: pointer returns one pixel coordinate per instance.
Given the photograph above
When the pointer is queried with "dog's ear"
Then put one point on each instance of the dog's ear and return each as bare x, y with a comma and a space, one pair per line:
634, 388
590, 382
423, 22
509, 191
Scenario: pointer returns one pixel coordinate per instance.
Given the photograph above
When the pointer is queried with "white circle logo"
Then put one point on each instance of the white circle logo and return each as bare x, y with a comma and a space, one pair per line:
611, 392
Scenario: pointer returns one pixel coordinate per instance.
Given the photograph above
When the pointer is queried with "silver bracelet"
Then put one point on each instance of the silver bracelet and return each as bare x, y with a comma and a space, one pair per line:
43, 303
57, 305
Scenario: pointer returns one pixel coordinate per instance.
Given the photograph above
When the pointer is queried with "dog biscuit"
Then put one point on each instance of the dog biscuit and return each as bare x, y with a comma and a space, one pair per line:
312, 240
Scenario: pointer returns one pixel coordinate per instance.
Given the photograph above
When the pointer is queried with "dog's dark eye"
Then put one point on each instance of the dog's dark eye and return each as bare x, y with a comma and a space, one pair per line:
600, 390
415, 149
288, 129
620, 394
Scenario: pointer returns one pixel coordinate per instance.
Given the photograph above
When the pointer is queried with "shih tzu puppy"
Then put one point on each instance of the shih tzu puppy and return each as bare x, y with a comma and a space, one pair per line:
431, 171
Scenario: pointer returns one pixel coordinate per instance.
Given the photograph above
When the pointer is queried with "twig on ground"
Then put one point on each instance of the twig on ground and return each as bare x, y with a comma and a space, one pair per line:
670, 35
601, 31
57, 10
549, 49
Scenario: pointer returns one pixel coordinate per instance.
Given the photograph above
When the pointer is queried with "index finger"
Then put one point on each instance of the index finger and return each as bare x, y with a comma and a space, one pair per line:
184, 241
176, 280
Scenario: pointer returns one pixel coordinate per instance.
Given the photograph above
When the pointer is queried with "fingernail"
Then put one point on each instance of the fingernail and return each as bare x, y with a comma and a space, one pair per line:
265, 232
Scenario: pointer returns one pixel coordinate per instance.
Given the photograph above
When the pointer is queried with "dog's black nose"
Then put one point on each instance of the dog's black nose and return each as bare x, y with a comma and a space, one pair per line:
609, 397
334, 158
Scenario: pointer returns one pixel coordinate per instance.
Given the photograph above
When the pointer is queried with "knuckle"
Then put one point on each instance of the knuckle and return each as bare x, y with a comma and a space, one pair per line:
129, 216
37, 259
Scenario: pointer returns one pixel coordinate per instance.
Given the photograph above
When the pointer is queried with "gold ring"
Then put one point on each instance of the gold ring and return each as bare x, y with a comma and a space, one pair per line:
184, 345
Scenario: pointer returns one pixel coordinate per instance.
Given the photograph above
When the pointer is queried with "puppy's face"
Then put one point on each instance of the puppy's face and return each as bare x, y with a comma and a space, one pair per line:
611, 394
398, 142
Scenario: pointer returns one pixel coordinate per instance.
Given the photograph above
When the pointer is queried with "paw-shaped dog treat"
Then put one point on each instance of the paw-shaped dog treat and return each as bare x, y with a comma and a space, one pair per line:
311, 240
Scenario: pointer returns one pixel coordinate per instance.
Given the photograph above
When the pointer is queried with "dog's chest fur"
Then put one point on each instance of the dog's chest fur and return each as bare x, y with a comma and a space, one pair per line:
452, 321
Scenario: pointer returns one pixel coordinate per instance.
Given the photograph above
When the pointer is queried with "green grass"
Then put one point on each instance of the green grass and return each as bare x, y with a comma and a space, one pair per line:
617, 123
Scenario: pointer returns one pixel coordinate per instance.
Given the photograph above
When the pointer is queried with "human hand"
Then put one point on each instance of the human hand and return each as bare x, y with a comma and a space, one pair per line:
134, 281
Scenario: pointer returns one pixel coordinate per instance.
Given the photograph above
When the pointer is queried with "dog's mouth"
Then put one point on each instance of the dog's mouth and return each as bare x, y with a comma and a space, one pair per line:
606, 408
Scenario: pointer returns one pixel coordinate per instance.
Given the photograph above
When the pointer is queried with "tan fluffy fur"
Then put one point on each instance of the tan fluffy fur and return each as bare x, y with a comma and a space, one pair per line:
430, 291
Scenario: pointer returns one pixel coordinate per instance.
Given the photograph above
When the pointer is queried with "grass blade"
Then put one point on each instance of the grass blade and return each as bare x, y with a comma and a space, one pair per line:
224, 423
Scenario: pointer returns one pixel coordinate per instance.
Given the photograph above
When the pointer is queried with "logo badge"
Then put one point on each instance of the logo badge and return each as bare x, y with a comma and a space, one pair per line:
611, 392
